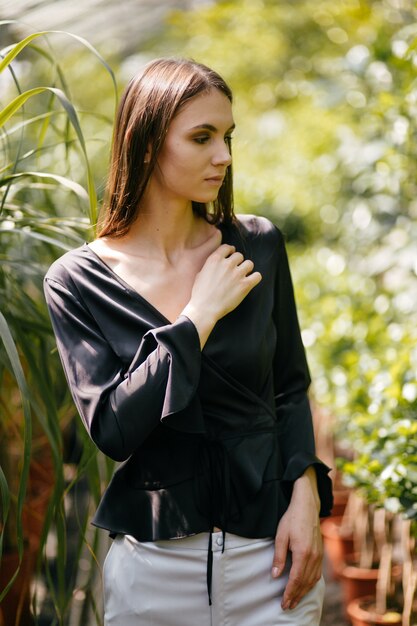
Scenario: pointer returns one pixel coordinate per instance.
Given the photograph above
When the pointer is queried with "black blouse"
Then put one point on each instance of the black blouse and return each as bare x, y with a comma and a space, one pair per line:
206, 438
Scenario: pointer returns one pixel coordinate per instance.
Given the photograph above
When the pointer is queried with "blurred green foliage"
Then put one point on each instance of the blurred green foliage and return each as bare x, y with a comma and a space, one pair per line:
363, 356
324, 92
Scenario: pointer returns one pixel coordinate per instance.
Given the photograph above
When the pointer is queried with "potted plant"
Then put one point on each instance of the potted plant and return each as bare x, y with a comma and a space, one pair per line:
384, 469
338, 536
370, 571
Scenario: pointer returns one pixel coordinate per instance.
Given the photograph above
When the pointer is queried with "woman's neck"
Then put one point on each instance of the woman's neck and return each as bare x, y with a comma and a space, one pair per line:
166, 230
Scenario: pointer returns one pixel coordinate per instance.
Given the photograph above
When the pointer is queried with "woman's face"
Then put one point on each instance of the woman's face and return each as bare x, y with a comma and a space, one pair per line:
194, 157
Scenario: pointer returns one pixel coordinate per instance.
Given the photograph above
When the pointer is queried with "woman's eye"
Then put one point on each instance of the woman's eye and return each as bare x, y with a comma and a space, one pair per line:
205, 138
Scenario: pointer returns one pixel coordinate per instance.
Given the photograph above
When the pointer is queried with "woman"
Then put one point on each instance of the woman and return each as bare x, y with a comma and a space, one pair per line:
179, 337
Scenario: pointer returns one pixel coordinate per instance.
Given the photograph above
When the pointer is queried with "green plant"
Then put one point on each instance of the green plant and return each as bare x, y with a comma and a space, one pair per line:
48, 205
363, 355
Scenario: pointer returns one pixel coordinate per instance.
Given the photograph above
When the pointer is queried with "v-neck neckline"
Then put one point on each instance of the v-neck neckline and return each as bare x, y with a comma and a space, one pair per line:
130, 288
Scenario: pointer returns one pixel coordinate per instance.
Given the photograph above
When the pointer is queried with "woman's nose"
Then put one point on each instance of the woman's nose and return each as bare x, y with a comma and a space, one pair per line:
222, 155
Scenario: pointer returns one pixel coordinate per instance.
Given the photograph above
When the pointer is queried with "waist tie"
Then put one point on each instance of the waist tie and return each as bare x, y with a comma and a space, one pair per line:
214, 494
229, 472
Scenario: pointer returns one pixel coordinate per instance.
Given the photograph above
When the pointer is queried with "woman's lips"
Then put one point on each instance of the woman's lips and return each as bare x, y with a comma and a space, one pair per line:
215, 180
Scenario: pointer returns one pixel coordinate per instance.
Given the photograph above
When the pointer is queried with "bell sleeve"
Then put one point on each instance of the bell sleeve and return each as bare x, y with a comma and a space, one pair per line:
119, 405
291, 382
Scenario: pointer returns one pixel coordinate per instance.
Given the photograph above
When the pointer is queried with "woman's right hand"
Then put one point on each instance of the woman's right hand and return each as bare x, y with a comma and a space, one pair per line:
223, 282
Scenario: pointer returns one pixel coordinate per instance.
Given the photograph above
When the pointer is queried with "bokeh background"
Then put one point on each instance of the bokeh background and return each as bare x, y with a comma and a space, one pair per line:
325, 146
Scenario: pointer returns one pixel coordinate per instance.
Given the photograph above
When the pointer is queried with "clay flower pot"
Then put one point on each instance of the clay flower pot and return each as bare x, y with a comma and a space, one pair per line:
340, 500
361, 612
358, 582
338, 544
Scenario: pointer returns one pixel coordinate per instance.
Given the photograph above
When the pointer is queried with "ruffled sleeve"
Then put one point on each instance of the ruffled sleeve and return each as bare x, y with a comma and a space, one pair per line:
120, 406
291, 382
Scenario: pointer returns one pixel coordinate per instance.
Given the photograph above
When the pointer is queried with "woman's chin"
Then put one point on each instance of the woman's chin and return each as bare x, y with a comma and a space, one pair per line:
206, 197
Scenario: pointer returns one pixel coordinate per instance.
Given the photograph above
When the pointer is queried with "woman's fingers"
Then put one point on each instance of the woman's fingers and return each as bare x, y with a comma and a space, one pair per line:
299, 529
236, 258
280, 553
253, 279
245, 267
312, 574
224, 250
230, 255
304, 574
224, 281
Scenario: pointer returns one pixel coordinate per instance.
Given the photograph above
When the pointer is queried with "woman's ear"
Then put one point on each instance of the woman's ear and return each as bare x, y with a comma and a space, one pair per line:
148, 154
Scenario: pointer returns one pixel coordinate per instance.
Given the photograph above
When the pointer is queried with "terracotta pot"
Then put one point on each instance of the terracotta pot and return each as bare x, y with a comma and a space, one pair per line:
361, 612
14, 608
358, 582
340, 499
338, 544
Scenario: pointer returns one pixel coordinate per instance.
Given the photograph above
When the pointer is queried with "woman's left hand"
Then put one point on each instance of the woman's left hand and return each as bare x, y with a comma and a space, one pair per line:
299, 531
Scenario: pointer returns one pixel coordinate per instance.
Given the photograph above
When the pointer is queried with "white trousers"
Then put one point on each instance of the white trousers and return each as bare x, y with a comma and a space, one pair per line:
163, 583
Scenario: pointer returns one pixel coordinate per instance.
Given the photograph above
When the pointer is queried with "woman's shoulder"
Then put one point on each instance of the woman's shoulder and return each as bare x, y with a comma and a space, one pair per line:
68, 266
257, 227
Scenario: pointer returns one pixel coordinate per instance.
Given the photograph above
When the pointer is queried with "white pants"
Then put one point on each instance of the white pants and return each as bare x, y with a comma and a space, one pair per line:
163, 583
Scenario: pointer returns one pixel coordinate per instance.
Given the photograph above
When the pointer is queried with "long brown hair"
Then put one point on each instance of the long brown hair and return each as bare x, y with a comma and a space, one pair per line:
147, 107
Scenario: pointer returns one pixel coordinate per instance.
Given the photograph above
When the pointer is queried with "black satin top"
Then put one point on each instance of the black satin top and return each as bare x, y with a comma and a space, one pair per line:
206, 438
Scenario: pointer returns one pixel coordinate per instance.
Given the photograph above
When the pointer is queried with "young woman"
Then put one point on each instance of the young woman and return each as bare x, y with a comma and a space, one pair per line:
178, 333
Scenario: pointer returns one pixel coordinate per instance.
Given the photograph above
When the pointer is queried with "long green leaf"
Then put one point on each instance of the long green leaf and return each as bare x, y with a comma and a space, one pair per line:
25, 42
19, 143
62, 180
17, 370
15, 104
41, 116
18, 102
5, 501
40, 237
14, 51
